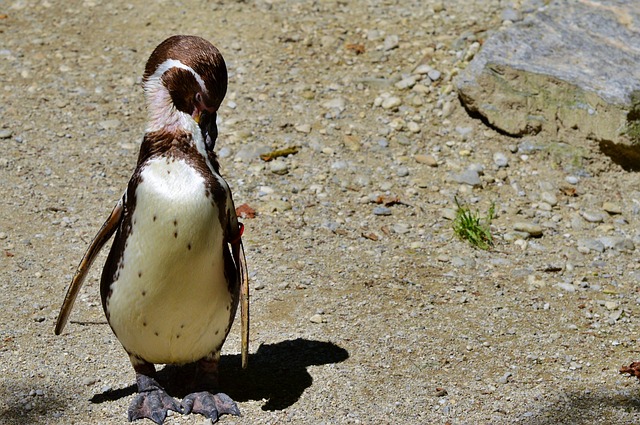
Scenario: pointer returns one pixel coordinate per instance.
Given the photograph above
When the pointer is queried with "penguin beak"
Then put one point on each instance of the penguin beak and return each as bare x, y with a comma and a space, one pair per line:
207, 122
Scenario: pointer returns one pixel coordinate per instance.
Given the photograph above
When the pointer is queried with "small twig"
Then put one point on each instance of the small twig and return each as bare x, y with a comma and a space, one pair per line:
278, 153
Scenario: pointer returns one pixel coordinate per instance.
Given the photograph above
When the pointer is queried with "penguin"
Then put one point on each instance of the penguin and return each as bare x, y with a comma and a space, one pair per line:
176, 270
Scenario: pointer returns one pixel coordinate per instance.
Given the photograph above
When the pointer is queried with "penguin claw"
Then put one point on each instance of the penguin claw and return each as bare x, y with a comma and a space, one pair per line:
210, 405
153, 405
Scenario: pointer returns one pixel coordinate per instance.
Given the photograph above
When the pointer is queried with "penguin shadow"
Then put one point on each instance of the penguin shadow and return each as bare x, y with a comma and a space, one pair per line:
276, 373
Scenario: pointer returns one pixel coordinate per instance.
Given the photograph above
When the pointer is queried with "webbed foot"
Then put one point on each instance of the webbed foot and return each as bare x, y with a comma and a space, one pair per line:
210, 405
153, 404
152, 401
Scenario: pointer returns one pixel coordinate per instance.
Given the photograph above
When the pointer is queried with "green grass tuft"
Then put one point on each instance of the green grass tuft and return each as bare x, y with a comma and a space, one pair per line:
470, 226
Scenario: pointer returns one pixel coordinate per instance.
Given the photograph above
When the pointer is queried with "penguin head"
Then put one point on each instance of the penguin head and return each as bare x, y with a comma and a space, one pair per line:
185, 78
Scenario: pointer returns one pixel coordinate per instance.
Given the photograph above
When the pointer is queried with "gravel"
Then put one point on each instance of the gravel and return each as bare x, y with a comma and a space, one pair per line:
366, 312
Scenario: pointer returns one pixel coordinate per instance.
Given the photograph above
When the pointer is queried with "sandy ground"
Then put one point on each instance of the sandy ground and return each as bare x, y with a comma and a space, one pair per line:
360, 315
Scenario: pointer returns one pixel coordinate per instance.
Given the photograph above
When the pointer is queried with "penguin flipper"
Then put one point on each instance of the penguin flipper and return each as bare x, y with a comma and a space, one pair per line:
104, 234
244, 304
235, 231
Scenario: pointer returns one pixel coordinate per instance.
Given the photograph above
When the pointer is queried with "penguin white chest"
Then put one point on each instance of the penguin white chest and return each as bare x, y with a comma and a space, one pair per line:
170, 300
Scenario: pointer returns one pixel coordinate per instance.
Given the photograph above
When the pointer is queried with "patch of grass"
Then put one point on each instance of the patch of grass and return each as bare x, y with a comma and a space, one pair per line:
469, 226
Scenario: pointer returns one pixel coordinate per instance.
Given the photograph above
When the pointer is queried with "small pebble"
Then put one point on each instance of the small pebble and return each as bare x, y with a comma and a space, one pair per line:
566, 286
109, 124
586, 245
303, 128
391, 102
406, 83
468, 177
422, 69
402, 171
401, 228
504, 378
449, 213
336, 103
279, 166
5, 133
224, 152
382, 211
316, 318
512, 15
276, 205
530, 228
549, 198
500, 159
593, 216
413, 127
612, 208
391, 42
434, 75
426, 159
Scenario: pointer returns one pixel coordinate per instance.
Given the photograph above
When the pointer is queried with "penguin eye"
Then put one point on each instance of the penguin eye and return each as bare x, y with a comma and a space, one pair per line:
199, 100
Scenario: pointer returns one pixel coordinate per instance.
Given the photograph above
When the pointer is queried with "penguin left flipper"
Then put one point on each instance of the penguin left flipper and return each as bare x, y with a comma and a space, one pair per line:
104, 234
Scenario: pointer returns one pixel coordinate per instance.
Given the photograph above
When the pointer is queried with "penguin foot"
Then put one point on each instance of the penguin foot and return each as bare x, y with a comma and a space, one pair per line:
210, 405
153, 405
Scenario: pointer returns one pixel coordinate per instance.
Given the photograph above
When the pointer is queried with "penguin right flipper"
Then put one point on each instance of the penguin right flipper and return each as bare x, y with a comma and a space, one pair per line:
105, 233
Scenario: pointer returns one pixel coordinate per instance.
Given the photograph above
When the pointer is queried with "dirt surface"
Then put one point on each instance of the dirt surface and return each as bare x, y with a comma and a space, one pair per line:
362, 312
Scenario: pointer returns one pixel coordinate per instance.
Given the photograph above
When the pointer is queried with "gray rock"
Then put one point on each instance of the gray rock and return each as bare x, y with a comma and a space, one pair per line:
469, 177
5, 133
558, 70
